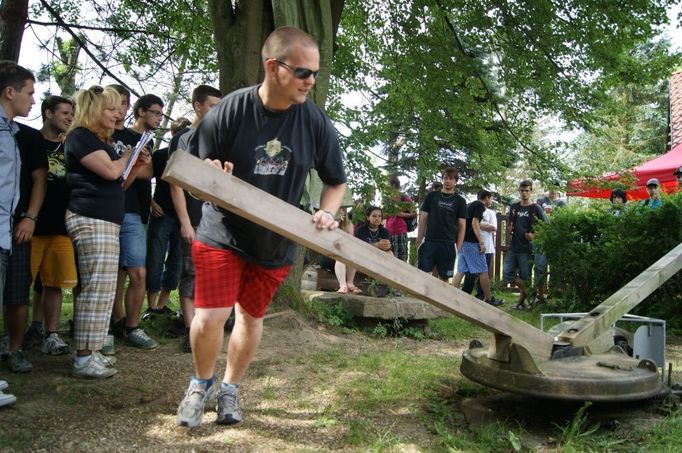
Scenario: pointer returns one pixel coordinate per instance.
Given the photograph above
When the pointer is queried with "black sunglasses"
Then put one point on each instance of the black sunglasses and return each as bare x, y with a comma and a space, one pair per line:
299, 73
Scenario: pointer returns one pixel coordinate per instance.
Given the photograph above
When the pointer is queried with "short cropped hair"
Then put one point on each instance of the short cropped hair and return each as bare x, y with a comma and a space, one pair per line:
200, 93
13, 75
52, 102
526, 183
282, 39
451, 172
144, 102
483, 194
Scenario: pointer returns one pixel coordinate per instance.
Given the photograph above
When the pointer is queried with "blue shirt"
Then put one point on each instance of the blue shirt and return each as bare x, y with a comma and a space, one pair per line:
651, 203
10, 175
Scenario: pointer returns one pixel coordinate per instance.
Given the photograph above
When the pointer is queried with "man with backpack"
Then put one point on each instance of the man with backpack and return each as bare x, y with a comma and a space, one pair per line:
518, 259
402, 220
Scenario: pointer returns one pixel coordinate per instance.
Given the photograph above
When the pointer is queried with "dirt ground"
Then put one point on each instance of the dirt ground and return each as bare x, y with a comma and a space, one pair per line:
135, 410
283, 399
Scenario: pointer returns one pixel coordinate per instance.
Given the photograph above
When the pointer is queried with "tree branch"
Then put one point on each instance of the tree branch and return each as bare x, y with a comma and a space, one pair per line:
81, 43
103, 29
478, 75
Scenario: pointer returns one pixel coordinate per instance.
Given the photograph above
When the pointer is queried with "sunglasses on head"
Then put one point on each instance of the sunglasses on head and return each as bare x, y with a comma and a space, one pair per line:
299, 73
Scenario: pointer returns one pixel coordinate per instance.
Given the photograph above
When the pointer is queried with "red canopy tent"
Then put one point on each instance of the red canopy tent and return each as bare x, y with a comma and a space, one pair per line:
661, 167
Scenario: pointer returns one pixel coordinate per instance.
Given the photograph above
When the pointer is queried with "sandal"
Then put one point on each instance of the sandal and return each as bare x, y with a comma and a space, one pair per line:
355, 290
342, 290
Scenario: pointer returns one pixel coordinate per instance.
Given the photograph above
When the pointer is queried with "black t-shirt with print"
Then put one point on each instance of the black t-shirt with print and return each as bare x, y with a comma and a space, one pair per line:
30, 143
475, 210
522, 219
272, 151
51, 218
364, 233
91, 195
444, 214
138, 195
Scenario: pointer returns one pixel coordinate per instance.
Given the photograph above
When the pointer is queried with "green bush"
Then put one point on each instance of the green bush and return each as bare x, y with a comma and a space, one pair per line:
592, 253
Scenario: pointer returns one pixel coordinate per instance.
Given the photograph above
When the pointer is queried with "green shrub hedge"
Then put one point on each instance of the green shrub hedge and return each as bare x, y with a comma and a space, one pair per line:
592, 253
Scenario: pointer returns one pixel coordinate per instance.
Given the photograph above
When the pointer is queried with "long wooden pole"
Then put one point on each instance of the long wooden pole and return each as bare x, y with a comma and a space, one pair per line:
603, 316
209, 183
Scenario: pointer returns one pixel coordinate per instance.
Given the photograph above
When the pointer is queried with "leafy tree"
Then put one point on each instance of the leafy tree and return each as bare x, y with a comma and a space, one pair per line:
464, 82
633, 122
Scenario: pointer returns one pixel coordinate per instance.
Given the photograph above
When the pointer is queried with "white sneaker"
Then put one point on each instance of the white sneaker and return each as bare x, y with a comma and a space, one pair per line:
104, 360
91, 369
6, 399
3, 385
54, 345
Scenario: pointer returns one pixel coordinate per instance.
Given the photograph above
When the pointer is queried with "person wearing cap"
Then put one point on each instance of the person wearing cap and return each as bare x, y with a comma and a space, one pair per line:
653, 188
678, 176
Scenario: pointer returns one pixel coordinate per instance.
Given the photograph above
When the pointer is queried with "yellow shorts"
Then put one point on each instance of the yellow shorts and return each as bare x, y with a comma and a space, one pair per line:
53, 256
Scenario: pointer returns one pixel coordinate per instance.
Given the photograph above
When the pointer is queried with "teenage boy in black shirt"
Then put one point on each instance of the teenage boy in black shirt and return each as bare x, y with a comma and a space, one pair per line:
442, 222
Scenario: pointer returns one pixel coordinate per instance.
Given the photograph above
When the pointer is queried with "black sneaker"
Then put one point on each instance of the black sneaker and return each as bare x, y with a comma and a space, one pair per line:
518, 306
118, 328
494, 302
148, 313
34, 337
164, 311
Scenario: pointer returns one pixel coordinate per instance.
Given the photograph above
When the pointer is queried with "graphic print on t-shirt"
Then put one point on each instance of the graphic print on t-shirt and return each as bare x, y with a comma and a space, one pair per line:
56, 167
272, 159
120, 147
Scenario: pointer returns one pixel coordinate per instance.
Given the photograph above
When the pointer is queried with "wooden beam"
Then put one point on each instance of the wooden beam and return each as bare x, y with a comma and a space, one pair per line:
603, 316
209, 183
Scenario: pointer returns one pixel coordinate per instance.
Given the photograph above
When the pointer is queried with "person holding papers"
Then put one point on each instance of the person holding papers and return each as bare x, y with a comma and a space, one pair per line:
93, 220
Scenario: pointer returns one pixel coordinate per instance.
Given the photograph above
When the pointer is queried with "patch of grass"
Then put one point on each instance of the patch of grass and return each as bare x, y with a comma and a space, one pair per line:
665, 436
332, 313
454, 328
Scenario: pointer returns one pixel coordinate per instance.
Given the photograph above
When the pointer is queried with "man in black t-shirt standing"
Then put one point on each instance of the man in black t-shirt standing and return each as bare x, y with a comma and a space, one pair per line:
147, 113
442, 222
518, 258
52, 254
270, 136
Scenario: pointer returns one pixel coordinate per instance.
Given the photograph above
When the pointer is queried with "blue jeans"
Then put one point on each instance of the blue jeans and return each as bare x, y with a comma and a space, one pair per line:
164, 259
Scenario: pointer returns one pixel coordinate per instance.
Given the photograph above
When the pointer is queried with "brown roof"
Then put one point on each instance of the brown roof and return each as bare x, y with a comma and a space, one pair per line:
676, 109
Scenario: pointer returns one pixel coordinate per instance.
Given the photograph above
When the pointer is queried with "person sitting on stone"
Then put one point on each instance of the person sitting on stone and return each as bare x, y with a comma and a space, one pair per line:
373, 232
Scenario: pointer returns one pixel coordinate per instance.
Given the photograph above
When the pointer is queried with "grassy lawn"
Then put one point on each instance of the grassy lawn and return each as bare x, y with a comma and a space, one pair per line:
322, 383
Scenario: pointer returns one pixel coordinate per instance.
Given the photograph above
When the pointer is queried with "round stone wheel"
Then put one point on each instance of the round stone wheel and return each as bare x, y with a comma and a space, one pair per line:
612, 376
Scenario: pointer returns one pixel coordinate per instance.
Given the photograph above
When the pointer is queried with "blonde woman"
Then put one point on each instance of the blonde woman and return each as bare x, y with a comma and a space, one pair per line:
93, 220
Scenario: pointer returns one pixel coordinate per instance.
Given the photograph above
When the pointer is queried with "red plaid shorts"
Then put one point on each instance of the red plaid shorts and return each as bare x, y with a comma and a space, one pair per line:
223, 278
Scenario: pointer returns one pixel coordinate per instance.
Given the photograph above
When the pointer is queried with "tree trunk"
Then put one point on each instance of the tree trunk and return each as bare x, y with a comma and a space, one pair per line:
13, 17
239, 33
65, 72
